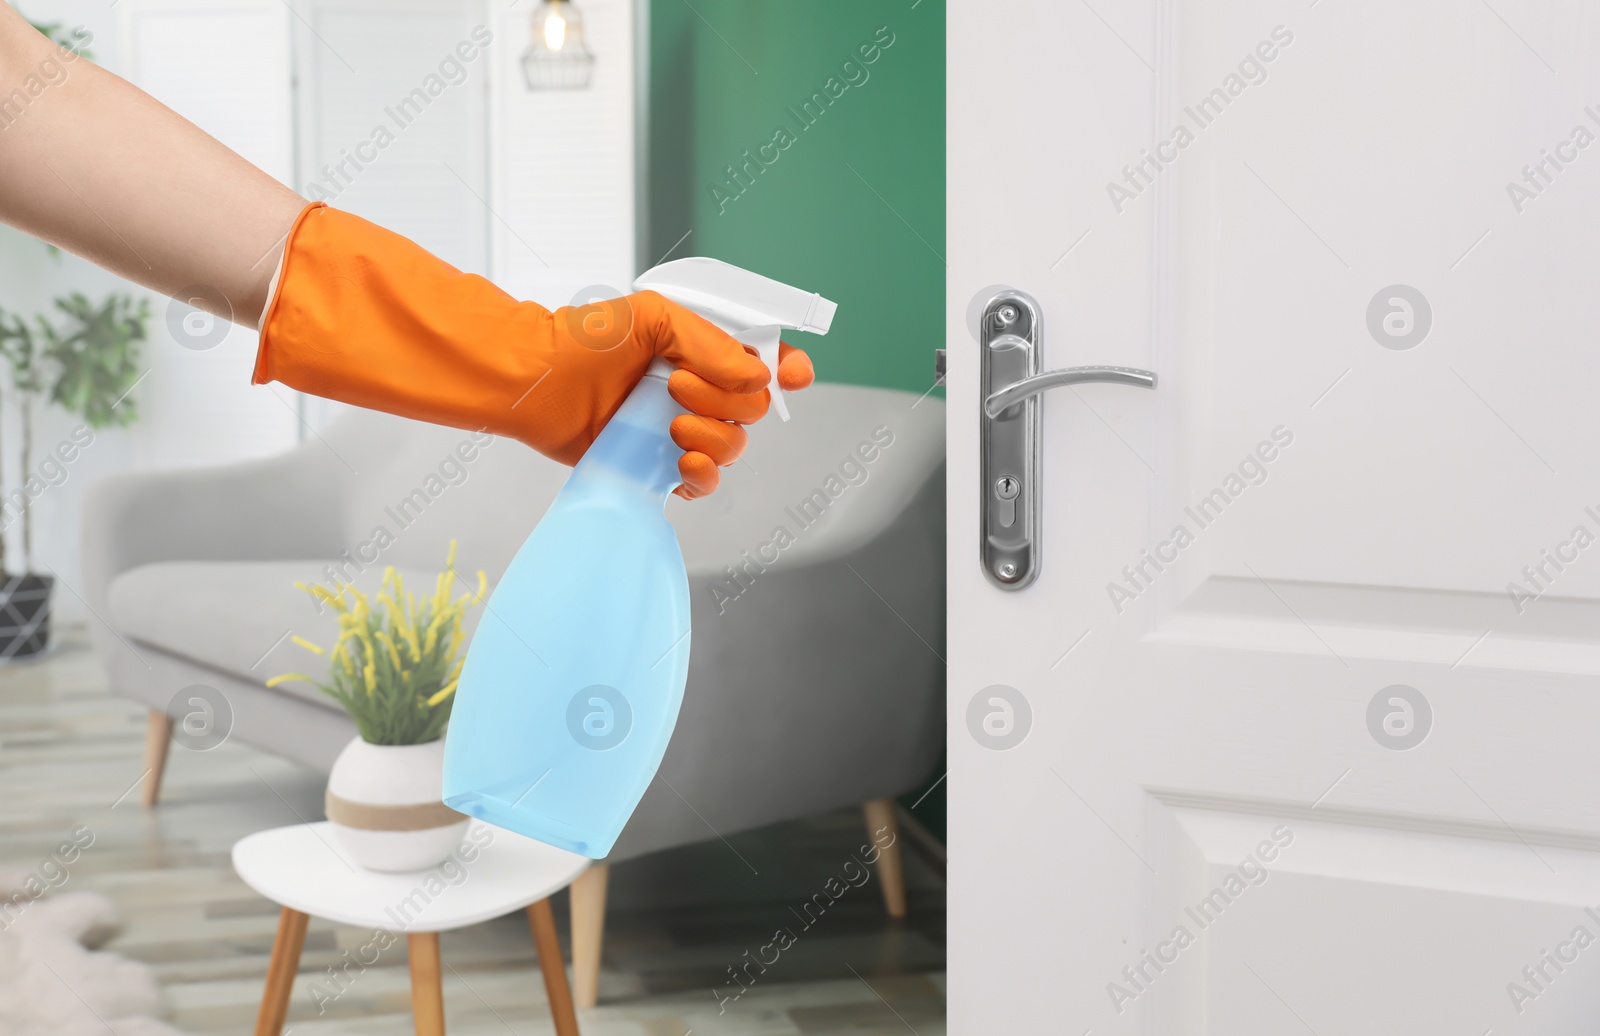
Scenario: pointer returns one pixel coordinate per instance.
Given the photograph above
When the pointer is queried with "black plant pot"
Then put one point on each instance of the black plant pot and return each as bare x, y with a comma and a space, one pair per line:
24, 614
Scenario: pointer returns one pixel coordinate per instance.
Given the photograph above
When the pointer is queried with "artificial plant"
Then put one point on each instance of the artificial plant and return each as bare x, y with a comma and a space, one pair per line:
87, 365
395, 665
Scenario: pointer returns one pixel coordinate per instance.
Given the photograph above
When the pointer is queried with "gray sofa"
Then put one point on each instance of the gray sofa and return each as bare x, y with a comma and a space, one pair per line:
815, 680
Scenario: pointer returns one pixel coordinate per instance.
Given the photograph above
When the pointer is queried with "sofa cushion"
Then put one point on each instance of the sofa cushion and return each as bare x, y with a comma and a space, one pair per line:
237, 617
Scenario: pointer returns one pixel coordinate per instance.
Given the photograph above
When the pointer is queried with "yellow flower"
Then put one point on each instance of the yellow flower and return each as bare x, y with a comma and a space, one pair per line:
443, 693
321, 594
286, 677
394, 656
308, 645
433, 628
409, 631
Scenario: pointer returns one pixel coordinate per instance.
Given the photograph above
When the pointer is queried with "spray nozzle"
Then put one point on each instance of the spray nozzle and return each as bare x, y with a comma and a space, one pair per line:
752, 308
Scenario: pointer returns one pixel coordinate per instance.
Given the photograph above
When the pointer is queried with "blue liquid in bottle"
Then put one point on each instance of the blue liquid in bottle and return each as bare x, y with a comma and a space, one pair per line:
574, 677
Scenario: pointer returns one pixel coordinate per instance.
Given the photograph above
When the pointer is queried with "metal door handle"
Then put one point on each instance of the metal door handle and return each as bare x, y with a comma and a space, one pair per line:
1011, 395
1012, 336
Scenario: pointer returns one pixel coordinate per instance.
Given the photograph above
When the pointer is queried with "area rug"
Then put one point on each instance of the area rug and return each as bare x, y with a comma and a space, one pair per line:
53, 979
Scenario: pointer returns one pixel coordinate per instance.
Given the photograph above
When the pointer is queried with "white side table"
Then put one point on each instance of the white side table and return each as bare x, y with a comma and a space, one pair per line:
302, 869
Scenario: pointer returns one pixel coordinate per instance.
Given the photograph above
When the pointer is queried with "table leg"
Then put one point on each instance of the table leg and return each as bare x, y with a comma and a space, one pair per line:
427, 986
281, 971
543, 923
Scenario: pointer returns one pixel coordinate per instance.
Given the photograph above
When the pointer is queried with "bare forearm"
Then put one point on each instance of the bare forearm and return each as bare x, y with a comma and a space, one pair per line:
94, 165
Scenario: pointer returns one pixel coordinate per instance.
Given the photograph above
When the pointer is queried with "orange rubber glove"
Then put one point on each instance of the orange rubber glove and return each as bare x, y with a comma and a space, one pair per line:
364, 316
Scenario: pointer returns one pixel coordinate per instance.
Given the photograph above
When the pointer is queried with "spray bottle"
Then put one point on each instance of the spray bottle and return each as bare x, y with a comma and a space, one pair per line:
572, 683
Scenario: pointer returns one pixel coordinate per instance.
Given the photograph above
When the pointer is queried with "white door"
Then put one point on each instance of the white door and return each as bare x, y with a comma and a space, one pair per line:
1327, 760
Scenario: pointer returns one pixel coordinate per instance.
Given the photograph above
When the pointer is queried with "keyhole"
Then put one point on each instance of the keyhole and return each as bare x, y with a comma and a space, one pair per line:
1007, 488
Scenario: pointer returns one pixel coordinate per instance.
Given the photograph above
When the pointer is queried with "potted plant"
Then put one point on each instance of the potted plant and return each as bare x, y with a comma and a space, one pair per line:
394, 670
87, 365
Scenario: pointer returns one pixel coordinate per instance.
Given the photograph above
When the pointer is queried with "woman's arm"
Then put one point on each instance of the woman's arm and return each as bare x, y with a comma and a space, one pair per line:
96, 166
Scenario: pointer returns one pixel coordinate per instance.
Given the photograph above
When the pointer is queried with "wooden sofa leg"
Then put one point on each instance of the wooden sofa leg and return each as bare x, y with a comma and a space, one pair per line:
157, 739
588, 894
884, 831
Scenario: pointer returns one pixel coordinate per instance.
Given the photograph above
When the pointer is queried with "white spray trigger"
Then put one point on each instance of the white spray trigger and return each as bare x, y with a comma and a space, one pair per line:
750, 307
765, 340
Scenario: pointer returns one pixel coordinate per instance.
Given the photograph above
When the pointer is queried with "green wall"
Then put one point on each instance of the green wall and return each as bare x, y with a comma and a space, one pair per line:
725, 76
851, 204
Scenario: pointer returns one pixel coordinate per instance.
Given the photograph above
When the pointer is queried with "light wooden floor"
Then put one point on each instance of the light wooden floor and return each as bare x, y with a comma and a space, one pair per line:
70, 752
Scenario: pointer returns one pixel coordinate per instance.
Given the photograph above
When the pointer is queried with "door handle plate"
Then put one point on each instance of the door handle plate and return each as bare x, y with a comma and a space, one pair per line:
1011, 335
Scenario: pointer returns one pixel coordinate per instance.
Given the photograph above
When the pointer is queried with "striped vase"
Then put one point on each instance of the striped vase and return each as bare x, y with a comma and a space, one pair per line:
386, 806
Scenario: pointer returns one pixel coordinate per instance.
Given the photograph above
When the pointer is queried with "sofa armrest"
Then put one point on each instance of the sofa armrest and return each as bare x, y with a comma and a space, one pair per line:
282, 507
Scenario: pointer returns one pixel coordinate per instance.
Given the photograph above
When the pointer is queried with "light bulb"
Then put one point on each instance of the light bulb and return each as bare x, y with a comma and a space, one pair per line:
556, 58
555, 31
